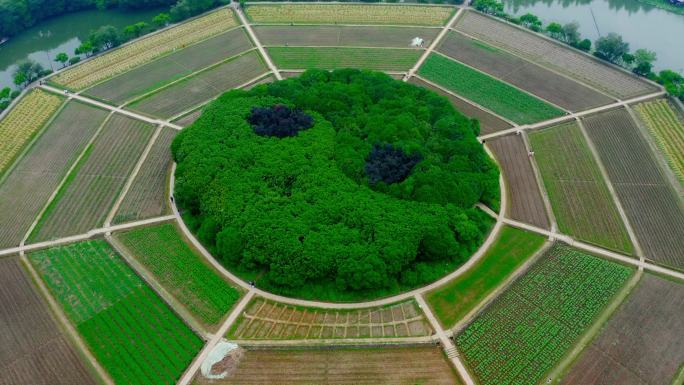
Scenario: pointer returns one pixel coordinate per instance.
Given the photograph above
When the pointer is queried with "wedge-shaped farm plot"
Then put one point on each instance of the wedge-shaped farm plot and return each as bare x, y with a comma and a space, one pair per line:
131, 332
27, 188
643, 343
581, 201
531, 77
458, 297
32, 350
181, 271
525, 200
344, 36
554, 55
386, 59
23, 122
532, 325
90, 191
666, 125
349, 14
360, 366
189, 93
651, 204
488, 92
268, 320
172, 67
147, 196
145, 50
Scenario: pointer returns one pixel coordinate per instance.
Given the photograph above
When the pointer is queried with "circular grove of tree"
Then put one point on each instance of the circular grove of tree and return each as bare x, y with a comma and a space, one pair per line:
343, 181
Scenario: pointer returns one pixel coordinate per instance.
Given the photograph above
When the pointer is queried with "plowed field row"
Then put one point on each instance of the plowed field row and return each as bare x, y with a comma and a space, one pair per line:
382, 59
339, 36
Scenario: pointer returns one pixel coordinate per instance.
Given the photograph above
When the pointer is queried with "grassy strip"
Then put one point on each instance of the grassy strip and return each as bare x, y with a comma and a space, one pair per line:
384, 59
181, 271
579, 196
495, 95
453, 301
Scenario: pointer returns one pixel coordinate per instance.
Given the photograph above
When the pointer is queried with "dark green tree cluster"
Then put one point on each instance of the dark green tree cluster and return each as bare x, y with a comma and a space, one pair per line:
279, 121
294, 210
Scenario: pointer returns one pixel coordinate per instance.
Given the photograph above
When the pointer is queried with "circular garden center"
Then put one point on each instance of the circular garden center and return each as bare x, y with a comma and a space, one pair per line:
341, 185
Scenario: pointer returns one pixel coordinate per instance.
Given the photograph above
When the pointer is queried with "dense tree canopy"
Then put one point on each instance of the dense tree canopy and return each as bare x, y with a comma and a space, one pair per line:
301, 209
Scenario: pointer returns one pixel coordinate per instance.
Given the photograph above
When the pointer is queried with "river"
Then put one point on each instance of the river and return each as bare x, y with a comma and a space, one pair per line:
60, 34
642, 25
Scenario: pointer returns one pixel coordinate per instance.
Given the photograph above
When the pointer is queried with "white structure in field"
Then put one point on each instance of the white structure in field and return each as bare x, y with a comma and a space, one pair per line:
417, 42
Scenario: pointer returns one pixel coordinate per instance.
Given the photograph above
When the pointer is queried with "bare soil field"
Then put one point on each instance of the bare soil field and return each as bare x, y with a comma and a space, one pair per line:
554, 55
531, 77
84, 202
341, 36
652, 206
147, 196
32, 350
579, 196
174, 66
525, 199
642, 344
267, 320
362, 366
30, 184
488, 123
184, 95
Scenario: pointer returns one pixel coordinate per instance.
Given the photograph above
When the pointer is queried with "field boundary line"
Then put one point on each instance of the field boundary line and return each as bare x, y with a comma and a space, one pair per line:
435, 42
62, 184
347, 47
615, 67
154, 284
191, 370
574, 115
66, 325
250, 32
160, 57
34, 139
191, 75
352, 3
447, 344
540, 182
108, 107
472, 103
565, 110
85, 236
503, 286
559, 370
613, 193
657, 152
344, 25
555, 71
131, 178
301, 71
202, 104
340, 342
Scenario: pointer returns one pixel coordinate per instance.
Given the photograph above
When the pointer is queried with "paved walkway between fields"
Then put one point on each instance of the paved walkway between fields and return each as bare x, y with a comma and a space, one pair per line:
447, 343
107, 107
433, 45
256, 41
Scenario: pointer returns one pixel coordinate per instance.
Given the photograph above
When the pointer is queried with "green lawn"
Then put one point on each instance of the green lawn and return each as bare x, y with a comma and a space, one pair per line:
495, 95
382, 59
580, 199
181, 271
532, 325
129, 329
453, 301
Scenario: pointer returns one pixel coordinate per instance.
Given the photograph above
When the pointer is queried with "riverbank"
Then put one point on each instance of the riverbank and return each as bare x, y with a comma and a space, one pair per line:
666, 5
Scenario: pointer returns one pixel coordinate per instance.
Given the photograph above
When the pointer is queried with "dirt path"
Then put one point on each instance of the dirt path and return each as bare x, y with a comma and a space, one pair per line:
256, 41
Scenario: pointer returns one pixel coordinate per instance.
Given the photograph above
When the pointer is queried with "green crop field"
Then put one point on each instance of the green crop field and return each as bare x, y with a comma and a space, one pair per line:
531, 326
382, 59
181, 271
493, 94
459, 296
131, 332
579, 196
